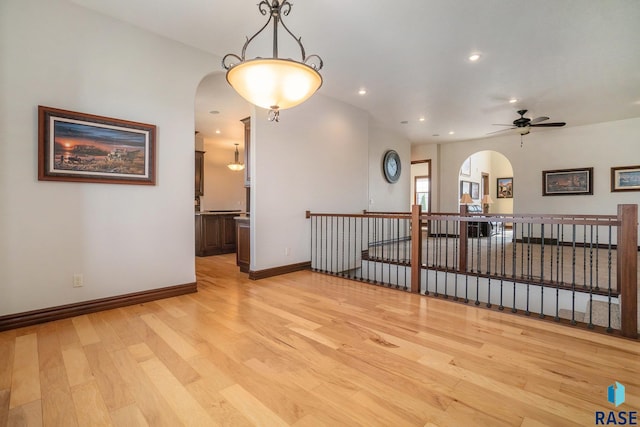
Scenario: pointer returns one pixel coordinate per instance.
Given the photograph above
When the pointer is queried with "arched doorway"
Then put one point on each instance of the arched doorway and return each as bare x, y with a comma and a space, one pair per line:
487, 177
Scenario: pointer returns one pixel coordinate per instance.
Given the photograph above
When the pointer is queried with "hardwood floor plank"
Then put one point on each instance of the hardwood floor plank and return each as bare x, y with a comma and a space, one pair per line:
90, 408
128, 416
27, 415
153, 406
251, 407
5, 396
111, 384
85, 330
25, 380
76, 366
180, 401
171, 337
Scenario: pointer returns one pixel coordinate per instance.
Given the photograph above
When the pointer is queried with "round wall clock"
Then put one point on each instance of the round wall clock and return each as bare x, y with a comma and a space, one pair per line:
391, 166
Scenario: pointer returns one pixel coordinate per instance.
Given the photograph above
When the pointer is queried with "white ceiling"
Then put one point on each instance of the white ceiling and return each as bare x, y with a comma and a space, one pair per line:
576, 61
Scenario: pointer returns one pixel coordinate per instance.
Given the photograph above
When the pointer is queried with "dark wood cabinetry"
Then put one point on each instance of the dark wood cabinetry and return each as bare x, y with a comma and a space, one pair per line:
243, 252
247, 147
199, 178
215, 234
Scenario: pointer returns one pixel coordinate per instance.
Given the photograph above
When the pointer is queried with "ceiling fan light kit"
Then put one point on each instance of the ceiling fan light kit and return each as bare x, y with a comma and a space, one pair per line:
274, 83
524, 124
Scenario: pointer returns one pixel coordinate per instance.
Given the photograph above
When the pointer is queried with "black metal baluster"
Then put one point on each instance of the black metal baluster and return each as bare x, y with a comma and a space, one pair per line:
541, 314
490, 237
446, 262
590, 325
456, 231
609, 328
557, 317
514, 264
573, 275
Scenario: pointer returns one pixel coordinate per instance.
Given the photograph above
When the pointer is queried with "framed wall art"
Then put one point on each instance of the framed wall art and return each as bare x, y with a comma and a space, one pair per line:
81, 147
465, 187
504, 188
475, 190
564, 182
466, 167
625, 178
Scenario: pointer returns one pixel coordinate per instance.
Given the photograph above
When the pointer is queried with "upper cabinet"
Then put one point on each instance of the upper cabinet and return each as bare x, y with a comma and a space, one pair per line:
247, 145
199, 178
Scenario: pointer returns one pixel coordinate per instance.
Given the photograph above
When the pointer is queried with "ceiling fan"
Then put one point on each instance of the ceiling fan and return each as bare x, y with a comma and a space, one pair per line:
525, 124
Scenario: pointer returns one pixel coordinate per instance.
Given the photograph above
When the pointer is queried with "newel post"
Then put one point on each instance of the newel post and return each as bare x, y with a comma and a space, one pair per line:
416, 248
627, 269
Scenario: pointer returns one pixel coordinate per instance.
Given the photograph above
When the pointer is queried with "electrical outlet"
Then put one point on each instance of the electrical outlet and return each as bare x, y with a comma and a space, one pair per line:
287, 251
78, 281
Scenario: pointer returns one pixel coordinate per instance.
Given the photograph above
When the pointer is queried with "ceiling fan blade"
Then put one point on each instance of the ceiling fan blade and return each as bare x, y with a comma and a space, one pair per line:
502, 130
549, 125
500, 124
538, 120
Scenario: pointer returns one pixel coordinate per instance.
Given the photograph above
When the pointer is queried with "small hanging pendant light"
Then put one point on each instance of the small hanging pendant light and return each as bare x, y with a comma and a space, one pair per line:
236, 165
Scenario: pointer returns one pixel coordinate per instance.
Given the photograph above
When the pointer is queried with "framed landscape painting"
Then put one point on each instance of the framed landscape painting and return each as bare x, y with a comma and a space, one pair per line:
567, 182
625, 178
504, 188
81, 147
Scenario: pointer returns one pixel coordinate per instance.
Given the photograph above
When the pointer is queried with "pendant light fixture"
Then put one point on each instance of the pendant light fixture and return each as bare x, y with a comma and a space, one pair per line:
274, 83
236, 165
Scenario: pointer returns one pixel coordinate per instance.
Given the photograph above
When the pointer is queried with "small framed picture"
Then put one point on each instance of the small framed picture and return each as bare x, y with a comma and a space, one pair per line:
466, 167
465, 187
81, 147
475, 190
504, 188
564, 182
625, 178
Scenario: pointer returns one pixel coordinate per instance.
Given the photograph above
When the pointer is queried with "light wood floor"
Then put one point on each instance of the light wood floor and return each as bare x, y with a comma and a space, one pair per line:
307, 349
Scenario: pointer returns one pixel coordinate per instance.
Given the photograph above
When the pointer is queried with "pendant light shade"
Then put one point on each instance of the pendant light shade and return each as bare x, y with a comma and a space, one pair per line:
274, 83
236, 165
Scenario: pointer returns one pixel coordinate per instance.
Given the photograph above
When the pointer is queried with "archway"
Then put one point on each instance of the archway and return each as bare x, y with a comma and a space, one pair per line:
488, 173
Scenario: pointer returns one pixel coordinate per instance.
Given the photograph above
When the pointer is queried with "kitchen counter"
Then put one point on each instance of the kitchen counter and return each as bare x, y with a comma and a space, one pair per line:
223, 212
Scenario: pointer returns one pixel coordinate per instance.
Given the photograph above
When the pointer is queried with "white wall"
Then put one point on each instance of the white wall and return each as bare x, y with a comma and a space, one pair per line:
315, 158
600, 146
122, 238
223, 188
384, 196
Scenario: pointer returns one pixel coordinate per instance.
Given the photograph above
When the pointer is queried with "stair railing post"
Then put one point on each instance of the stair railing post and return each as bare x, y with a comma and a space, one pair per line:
416, 248
462, 247
627, 269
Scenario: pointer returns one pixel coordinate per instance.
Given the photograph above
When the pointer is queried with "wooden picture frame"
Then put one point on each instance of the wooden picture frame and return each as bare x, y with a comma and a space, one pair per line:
465, 170
475, 190
625, 178
465, 187
80, 147
565, 182
504, 188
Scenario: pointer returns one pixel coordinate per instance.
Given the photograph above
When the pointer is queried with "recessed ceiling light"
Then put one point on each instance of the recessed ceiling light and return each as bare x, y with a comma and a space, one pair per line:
218, 131
214, 112
474, 57
362, 91
451, 132
513, 101
421, 119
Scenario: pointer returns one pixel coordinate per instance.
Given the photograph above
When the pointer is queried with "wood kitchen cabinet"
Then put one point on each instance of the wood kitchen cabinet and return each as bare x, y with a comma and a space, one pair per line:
247, 145
199, 178
243, 239
215, 233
